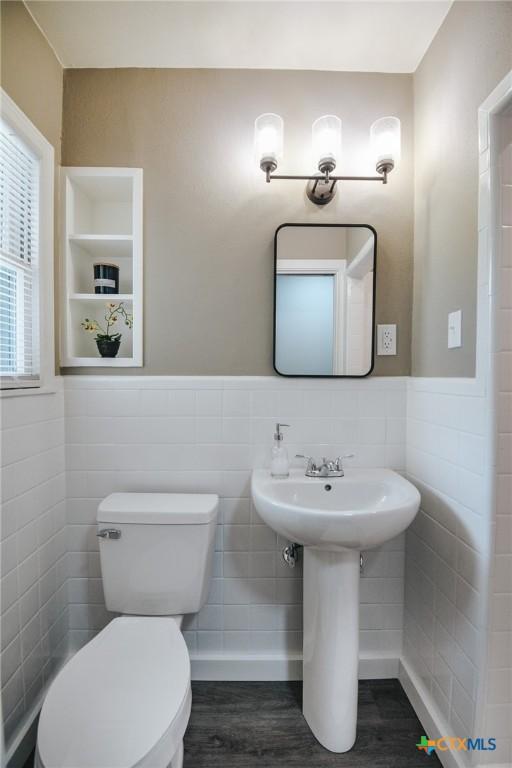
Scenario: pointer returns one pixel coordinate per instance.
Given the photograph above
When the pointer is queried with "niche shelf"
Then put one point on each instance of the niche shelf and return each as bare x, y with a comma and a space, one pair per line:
102, 222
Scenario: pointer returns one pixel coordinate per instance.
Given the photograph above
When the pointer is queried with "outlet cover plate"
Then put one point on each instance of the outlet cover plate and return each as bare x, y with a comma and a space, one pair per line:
455, 329
386, 339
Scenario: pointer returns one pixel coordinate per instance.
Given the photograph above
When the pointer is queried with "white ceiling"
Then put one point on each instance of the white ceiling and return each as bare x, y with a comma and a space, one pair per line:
351, 36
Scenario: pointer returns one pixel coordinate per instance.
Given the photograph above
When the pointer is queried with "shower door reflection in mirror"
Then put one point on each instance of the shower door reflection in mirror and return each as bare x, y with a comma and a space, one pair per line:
324, 298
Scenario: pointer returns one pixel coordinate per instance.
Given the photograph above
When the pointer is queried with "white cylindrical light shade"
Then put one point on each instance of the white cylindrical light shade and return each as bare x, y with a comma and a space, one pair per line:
385, 142
268, 140
326, 138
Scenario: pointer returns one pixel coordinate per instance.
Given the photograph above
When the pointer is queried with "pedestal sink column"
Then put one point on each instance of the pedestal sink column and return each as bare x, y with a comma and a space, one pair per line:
331, 646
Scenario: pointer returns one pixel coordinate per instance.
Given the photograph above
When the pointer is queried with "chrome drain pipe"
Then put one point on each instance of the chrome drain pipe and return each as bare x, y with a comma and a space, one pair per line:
291, 554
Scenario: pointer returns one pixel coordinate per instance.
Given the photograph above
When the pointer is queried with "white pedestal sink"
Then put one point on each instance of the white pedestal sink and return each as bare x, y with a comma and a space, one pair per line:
334, 519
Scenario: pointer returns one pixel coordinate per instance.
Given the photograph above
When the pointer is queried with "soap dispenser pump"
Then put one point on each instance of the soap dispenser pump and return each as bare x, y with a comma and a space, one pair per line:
280, 464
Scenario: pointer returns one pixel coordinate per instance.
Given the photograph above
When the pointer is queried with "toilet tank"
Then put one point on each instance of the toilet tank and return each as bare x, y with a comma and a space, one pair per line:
156, 551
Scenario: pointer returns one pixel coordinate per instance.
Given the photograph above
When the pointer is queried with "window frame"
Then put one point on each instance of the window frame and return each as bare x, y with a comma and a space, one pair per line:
44, 298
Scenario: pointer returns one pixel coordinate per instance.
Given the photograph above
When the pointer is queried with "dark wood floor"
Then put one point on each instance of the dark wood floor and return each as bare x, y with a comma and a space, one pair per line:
260, 725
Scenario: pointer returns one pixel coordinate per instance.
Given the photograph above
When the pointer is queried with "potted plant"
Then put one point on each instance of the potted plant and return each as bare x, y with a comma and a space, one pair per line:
108, 343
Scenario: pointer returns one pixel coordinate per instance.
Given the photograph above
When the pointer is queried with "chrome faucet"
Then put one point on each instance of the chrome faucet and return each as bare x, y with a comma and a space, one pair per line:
327, 468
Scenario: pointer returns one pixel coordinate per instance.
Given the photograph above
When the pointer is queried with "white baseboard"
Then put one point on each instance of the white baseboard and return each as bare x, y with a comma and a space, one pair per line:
277, 667
431, 719
245, 667
378, 667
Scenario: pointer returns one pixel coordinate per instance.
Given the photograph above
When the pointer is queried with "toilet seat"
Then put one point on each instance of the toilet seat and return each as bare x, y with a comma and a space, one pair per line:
123, 701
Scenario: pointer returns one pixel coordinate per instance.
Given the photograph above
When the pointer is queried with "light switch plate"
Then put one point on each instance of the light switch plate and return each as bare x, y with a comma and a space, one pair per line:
386, 339
455, 329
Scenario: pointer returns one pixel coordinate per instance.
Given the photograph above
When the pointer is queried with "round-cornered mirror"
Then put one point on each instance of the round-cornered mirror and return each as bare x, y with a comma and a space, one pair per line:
324, 299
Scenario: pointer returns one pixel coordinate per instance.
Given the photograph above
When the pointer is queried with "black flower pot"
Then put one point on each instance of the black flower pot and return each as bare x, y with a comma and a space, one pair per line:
108, 347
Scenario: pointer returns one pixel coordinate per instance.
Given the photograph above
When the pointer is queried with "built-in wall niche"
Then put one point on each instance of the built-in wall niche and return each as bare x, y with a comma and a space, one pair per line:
83, 345
102, 216
84, 253
100, 205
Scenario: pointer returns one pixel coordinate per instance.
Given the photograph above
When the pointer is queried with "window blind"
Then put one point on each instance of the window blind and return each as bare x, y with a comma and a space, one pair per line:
19, 240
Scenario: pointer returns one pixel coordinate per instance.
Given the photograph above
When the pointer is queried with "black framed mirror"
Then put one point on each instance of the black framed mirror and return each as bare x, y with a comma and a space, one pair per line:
324, 300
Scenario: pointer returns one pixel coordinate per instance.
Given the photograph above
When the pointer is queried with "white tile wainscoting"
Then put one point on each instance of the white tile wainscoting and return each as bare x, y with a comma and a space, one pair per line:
447, 553
186, 434
206, 434
34, 607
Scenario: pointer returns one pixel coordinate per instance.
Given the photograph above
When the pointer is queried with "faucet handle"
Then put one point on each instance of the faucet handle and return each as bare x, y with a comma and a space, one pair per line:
339, 459
310, 460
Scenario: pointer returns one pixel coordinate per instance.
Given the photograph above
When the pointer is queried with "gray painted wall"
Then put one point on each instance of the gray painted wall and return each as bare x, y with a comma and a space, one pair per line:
30, 73
469, 56
208, 239
33, 77
209, 217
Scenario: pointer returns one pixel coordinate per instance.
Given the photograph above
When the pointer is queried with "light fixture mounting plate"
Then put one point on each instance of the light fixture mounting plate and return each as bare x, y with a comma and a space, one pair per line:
321, 191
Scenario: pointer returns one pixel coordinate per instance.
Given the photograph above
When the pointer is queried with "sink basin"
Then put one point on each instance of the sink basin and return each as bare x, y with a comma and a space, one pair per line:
359, 511
334, 518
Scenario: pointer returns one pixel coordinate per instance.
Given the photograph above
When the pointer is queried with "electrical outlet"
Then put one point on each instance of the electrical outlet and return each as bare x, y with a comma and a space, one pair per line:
386, 339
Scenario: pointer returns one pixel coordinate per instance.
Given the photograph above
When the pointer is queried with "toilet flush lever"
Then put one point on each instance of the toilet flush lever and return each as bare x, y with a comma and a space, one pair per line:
109, 533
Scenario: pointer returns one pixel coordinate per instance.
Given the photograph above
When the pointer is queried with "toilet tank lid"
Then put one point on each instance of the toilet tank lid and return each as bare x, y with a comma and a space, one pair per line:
159, 508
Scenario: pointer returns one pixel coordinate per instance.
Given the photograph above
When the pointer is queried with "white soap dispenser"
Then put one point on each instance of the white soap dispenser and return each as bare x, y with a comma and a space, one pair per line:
280, 464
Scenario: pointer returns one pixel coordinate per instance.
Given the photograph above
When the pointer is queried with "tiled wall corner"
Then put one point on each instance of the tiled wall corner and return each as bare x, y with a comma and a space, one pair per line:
445, 561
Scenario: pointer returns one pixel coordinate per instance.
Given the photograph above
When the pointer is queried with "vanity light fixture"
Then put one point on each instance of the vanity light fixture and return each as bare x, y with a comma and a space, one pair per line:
385, 143
326, 141
268, 141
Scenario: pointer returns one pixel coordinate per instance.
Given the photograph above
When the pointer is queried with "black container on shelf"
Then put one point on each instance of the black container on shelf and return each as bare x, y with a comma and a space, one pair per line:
106, 278
108, 347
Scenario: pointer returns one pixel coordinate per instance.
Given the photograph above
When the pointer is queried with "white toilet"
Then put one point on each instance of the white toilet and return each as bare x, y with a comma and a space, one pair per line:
123, 701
